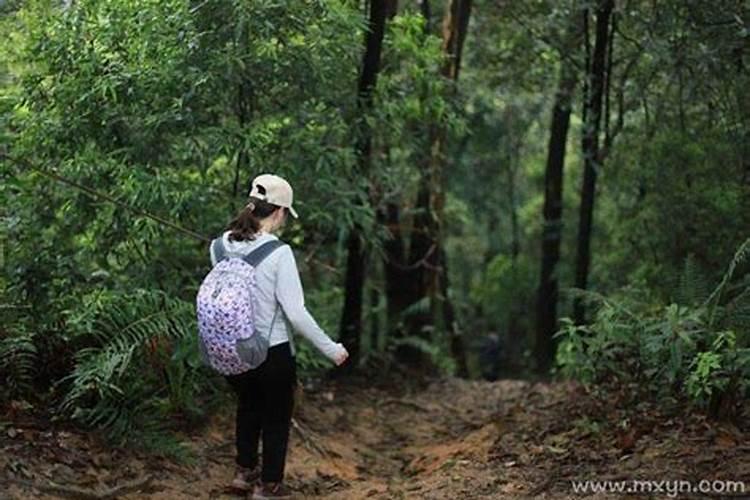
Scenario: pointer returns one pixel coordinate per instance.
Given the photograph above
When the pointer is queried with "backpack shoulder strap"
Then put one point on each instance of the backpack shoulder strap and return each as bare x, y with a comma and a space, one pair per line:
218, 250
256, 256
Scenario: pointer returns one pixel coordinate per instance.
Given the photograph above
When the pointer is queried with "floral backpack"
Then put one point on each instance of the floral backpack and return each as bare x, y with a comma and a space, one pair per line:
226, 305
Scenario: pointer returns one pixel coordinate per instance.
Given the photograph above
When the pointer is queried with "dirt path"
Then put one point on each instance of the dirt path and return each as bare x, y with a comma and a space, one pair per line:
355, 442
449, 439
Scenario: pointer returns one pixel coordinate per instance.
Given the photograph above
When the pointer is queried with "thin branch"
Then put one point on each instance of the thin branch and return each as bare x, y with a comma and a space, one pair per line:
620, 124
423, 262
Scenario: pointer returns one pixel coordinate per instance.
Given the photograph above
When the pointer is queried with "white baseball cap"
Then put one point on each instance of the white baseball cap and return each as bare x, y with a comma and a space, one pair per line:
275, 190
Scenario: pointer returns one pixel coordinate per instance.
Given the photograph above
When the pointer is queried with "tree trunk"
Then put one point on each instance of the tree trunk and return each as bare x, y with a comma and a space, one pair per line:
552, 231
351, 319
426, 240
458, 349
590, 144
455, 26
404, 273
547, 294
397, 274
424, 8
515, 335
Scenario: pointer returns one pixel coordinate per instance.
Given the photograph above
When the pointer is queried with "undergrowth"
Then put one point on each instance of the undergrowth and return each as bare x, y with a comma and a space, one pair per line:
695, 347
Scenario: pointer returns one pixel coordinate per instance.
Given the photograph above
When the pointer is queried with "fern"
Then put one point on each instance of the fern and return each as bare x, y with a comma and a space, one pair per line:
591, 297
693, 285
715, 298
130, 380
433, 350
18, 363
697, 346
420, 307
736, 316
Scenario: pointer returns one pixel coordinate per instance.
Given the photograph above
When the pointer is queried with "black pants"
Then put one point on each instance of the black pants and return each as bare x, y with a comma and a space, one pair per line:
265, 397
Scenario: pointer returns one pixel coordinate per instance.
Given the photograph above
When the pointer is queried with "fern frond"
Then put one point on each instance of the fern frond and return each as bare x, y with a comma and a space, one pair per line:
597, 299
422, 306
18, 362
112, 385
693, 285
736, 316
743, 253
422, 345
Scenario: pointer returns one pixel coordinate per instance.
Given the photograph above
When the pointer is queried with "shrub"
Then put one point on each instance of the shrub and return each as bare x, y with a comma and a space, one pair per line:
137, 369
699, 351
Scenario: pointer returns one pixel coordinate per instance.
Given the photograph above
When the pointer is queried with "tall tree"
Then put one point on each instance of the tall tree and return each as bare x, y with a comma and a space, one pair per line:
595, 83
427, 235
553, 204
351, 319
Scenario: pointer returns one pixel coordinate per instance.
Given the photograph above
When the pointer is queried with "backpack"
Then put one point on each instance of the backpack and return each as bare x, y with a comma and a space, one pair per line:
226, 305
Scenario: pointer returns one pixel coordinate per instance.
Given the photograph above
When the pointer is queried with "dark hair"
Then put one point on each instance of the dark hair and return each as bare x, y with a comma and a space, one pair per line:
247, 223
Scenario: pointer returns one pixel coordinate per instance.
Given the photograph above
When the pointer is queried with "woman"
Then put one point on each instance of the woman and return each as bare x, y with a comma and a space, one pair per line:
266, 394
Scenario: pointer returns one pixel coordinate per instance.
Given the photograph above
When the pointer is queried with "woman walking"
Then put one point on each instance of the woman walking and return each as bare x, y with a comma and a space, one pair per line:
265, 395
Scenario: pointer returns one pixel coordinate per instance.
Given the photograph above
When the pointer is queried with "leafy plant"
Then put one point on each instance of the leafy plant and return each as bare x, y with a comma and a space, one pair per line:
18, 363
436, 353
137, 368
692, 347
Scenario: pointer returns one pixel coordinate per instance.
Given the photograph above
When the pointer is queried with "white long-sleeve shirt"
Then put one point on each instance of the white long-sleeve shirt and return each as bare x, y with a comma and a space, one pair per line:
278, 283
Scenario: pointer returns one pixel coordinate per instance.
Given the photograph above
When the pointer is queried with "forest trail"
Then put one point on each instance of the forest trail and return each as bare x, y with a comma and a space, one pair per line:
446, 439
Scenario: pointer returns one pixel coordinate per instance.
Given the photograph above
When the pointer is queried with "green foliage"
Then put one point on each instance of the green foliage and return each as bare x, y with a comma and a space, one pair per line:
172, 107
137, 367
18, 363
722, 369
671, 203
670, 349
326, 302
437, 353
507, 284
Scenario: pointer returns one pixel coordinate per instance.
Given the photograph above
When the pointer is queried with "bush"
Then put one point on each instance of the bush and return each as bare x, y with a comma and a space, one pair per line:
698, 351
137, 369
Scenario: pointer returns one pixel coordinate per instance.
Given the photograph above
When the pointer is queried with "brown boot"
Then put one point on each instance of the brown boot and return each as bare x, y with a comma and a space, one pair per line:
272, 491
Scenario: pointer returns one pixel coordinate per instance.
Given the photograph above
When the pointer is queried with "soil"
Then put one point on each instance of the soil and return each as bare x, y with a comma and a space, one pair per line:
441, 439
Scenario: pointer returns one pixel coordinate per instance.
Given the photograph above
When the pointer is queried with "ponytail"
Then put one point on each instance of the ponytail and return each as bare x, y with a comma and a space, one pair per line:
246, 224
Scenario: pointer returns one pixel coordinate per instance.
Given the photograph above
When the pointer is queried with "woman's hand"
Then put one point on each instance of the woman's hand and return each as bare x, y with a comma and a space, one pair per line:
341, 355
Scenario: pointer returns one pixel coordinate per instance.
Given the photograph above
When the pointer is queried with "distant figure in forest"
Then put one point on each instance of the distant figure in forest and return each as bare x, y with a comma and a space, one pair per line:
265, 395
490, 356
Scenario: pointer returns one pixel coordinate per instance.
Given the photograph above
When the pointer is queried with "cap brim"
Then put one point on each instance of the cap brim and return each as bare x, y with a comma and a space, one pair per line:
293, 212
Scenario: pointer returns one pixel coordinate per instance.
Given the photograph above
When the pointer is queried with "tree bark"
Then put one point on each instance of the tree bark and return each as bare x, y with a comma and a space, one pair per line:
552, 213
397, 275
455, 26
351, 319
590, 145
432, 195
547, 294
425, 272
424, 8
